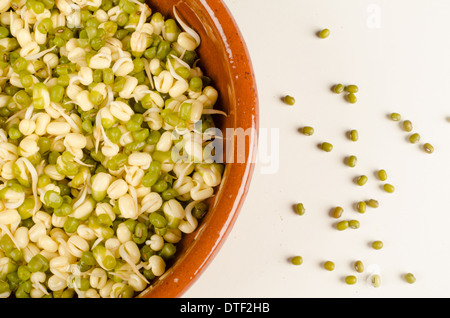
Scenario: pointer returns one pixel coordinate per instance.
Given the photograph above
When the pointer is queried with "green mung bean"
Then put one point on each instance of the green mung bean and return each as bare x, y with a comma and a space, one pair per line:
351, 161
362, 180
407, 125
428, 148
289, 100
323, 34
326, 146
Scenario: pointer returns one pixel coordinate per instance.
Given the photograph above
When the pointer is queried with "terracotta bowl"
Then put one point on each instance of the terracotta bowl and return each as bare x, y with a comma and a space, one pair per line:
223, 57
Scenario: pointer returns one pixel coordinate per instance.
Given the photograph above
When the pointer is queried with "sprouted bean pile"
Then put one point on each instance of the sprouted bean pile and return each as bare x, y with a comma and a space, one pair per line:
95, 96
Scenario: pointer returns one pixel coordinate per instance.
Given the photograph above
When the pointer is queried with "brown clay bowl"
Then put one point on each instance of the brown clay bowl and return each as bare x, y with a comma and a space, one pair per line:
223, 57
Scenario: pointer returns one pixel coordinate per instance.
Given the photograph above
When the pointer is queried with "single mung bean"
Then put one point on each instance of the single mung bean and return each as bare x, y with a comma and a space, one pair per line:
428, 148
351, 161
362, 180
4, 287
323, 34
396, 116
23, 272
372, 203
407, 125
410, 278
308, 131
196, 85
300, 208
414, 138
53, 199
377, 245
389, 188
342, 225
358, 266
289, 100
38, 263
168, 251
157, 220
4, 32
361, 206
329, 266
337, 212
352, 88
354, 224
6, 244
375, 280
382, 175
351, 279
338, 88
326, 146
297, 260
353, 134
351, 98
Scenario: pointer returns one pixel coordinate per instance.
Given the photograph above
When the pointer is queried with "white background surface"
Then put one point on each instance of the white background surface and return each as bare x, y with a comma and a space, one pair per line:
398, 53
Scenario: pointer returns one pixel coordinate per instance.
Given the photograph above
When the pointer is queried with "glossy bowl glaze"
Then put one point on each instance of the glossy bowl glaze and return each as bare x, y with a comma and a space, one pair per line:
225, 59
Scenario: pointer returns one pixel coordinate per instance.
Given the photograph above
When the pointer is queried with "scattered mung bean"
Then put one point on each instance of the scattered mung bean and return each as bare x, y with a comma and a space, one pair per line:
329, 266
351, 280
351, 161
414, 138
410, 278
407, 125
308, 130
428, 148
297, 260
389, 188
359, 266
377, 245
323, 34
362, 180
382, 175
288, 99
326, 146
337, 212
